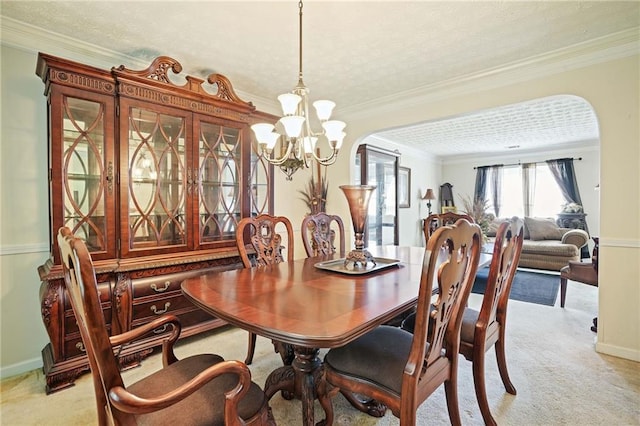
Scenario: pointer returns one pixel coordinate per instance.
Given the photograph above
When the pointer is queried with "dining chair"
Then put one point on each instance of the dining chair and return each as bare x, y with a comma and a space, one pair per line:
581, 272
319, 234
485, 328
436, 220
260, 234
399, 369
197, 390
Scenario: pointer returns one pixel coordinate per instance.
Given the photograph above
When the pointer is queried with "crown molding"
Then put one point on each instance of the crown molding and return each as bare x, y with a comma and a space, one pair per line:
30, 38
607, 48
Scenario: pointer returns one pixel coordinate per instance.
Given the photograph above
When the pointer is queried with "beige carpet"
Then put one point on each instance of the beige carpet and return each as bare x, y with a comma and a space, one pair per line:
560, 379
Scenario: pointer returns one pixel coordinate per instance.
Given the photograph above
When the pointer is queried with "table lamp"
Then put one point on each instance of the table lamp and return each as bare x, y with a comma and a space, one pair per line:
429, 196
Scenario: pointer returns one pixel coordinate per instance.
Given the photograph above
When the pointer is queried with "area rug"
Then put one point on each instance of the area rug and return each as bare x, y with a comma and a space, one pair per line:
532, 287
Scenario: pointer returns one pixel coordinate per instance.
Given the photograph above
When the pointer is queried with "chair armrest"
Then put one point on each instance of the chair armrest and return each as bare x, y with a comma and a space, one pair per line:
131, 403
168, 357
584, 272
577, 237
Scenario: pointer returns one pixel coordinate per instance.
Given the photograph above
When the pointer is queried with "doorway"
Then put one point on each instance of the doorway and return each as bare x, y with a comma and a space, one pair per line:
379, 167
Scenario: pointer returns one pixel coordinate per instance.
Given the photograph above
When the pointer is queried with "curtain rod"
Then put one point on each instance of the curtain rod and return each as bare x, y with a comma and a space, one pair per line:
529, 162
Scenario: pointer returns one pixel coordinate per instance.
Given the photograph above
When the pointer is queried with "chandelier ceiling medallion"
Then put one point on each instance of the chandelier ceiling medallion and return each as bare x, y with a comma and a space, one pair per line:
293, 129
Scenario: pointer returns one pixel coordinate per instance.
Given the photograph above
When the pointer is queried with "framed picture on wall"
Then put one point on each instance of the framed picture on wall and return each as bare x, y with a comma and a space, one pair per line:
404, 187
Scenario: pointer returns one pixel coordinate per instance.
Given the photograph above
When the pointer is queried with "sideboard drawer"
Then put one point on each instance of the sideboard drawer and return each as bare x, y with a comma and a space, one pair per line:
150, 308
162, 284
71, 325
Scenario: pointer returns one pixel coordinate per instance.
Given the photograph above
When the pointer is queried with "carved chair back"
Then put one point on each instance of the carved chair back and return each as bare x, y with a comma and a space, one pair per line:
81, 285
319, 234
483, 329
431, 353
262, 235
436, 220
504, 263
451, 260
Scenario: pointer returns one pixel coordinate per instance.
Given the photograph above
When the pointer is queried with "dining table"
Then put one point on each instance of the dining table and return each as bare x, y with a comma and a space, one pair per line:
310, 307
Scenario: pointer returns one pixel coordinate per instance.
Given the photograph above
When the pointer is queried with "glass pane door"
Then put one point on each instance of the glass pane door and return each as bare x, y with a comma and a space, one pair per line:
87, 172
382, 209
157, 179
259, 179
219, 205
380, 167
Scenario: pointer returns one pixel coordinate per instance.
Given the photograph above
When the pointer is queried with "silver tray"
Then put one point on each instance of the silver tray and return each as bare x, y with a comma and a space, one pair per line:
337, 265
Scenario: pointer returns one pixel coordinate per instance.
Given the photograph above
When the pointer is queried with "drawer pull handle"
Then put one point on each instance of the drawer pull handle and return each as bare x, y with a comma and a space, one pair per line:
160, 290
159, 312
161, 330
80, 347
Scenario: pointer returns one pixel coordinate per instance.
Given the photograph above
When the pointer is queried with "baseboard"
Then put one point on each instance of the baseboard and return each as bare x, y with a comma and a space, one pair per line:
617, 351
20, 368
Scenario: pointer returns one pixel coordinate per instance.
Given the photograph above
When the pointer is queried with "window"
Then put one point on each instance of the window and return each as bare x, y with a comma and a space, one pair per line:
547, 197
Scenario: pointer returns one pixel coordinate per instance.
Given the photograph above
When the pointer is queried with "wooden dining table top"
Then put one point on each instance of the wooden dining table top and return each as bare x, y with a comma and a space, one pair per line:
297, 303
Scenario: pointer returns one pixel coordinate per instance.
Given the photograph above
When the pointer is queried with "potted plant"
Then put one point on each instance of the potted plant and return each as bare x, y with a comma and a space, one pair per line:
315, 195
477, 209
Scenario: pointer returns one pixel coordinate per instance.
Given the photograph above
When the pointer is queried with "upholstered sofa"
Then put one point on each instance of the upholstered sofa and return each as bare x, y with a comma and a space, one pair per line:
546, 246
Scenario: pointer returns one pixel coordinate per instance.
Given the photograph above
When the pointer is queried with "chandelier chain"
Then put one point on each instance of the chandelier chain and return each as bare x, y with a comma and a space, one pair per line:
293, 132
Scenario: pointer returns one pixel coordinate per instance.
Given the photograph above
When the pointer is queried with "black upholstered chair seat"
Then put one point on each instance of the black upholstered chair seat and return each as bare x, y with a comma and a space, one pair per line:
378, 357
203, 405
409, 323
468, 329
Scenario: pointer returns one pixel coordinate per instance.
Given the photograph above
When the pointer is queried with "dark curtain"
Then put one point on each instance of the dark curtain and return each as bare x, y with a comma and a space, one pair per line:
528, 187
489, 176
565, 176
496, 187
481, 183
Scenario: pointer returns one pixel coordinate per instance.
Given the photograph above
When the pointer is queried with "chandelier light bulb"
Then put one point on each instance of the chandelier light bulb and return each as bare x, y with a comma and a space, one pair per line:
339, 140
324, 109
334, 129
309, 144
271, 140
289, 103
292, 125
262, 131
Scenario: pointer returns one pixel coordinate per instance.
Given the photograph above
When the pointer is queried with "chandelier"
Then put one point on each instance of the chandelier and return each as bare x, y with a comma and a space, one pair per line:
293, 130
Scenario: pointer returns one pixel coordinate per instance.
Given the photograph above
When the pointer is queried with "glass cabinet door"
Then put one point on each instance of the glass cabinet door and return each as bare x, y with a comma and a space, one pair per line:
156, 170
83, 165
260, 200
218, 181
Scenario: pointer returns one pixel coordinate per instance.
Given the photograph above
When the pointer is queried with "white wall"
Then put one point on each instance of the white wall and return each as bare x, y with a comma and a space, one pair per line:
24, 212
612, 88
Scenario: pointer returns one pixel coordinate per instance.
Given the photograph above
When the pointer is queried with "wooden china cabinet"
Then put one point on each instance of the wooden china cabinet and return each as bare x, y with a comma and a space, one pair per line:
154, 176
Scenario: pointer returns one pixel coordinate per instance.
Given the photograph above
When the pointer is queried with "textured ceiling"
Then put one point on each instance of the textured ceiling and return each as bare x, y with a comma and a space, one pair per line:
354, 52
533, 125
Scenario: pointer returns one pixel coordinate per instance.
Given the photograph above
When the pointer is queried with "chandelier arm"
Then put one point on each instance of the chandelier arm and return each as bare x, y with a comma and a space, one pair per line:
278, 161
328, 160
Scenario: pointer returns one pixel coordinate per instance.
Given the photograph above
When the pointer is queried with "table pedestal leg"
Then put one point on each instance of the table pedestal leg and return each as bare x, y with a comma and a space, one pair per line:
303, 378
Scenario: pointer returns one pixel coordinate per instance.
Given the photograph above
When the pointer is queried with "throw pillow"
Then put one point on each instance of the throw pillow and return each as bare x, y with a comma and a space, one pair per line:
542, 228
494, 225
